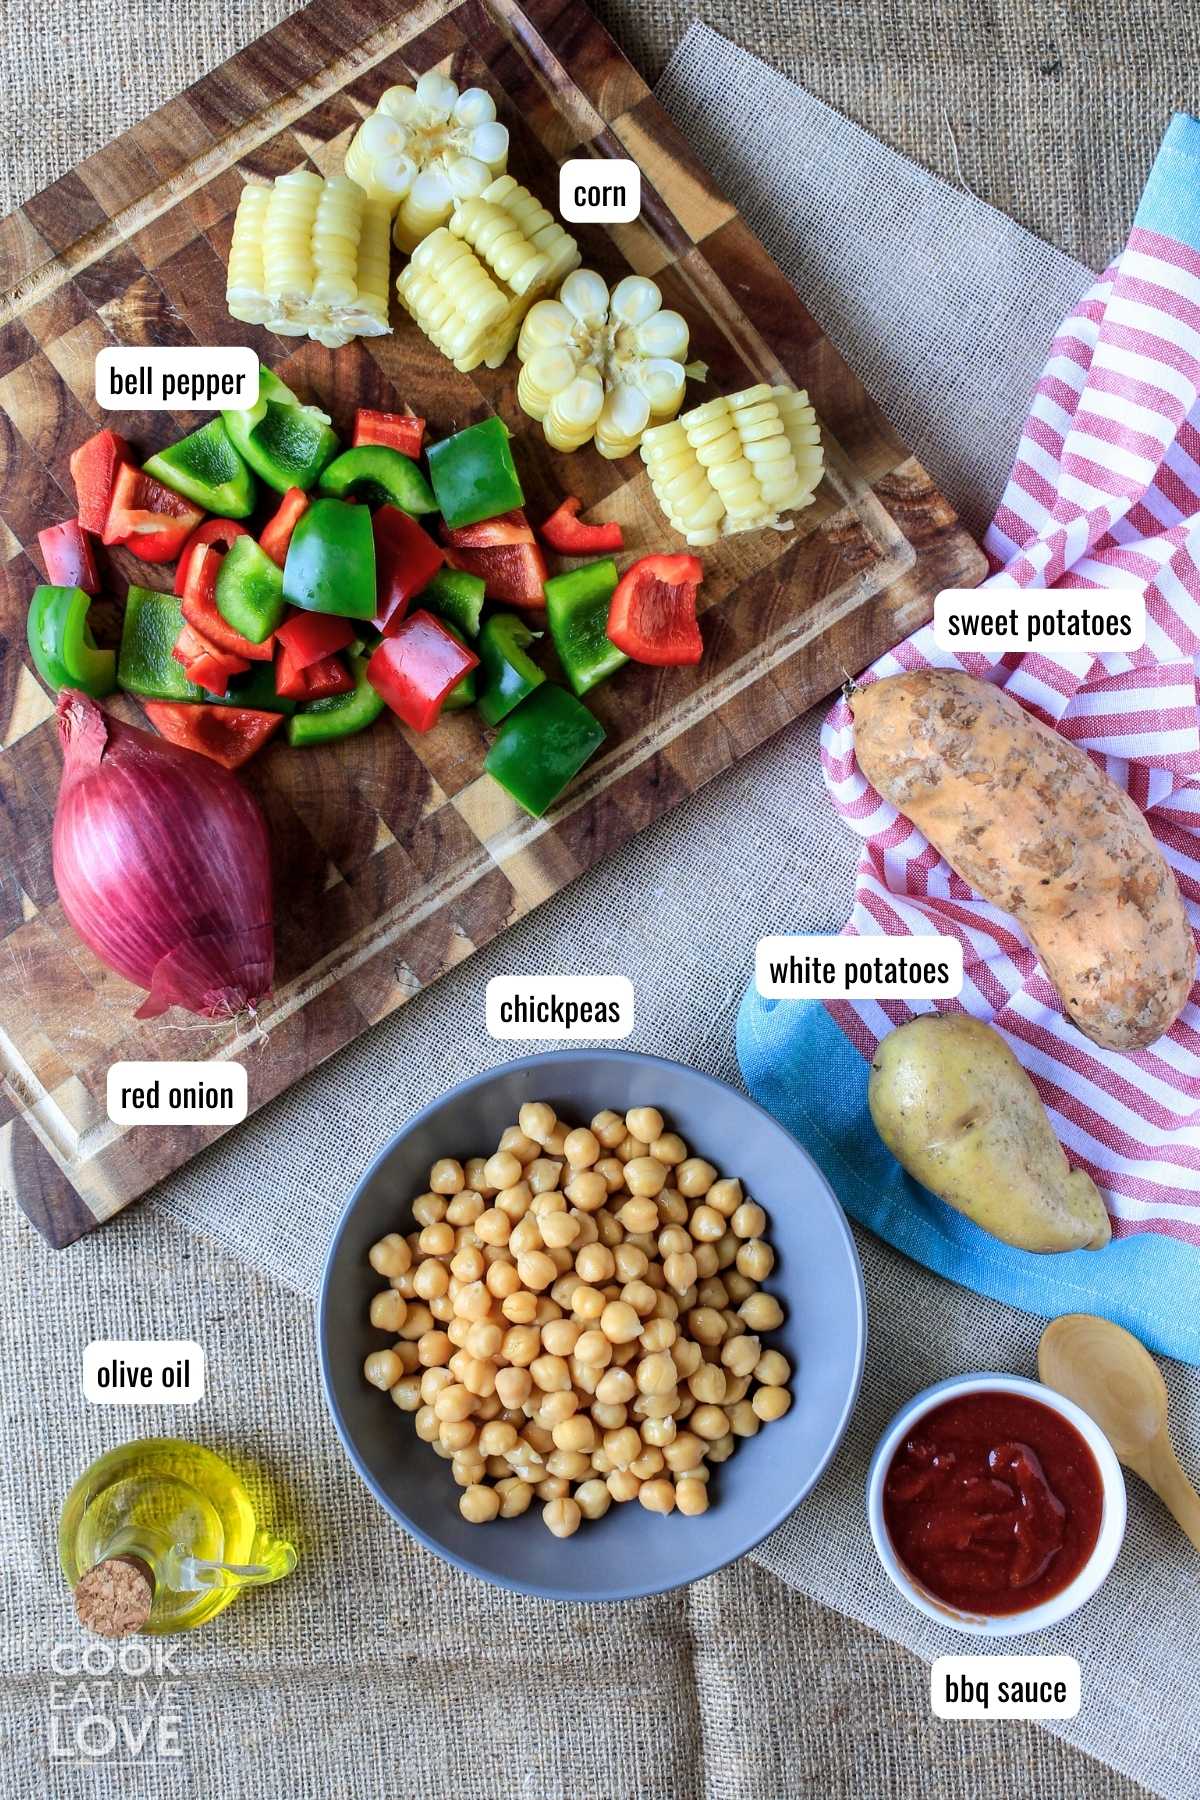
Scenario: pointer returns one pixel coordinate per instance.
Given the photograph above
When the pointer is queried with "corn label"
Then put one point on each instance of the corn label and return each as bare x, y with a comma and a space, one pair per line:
599, 190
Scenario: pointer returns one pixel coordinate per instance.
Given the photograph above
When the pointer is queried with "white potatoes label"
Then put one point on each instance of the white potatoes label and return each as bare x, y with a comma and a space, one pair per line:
599, 190
177, 1093
124, 1372
1005, 1687
186, 379
858, 968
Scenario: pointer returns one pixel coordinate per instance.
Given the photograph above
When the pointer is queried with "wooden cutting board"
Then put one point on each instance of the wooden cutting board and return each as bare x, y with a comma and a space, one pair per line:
395, 855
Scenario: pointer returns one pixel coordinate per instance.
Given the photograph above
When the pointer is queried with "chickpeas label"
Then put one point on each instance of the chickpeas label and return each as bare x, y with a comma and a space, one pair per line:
854, 968
118, 1372
559, 1006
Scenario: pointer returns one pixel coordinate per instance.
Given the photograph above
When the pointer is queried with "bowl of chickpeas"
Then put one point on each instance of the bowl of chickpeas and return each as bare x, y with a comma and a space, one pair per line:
602, 1305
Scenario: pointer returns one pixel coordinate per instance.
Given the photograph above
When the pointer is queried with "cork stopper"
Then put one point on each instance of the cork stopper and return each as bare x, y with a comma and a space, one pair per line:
115, 1597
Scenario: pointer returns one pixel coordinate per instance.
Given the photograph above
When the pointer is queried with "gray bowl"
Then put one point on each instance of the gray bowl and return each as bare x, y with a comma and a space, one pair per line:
629, 1552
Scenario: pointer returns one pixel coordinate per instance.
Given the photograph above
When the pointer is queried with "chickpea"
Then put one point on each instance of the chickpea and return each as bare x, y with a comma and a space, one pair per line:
581, 1148
382, 1369
559, 1230
706, 1226
520, 1306
403, 1284
434, 1349
691, 1497
553, 1487
516, 1201
658, 1496
593, 1349
680, 1271
493, 1226
467, 1265
467, 1467
609, 1231
722, 1448
622, 1485
562, 1516
390, 1256
773, 1369
447, 1177
432, 1383
544, 1175
609, 1129
587, 1303
687, 1356
761, 1312
736, 1388
426, 1425
709, 1422
713, 1293
575, 1434
550, 1373
514, 1496
630, 1260
436, 1240
473, 1173
537, 1120
388, 1309
429, 1209
656, 1374
771, 1403
593, 1498
659, 1432
659, 1334
454, 1403
503, 1170
612, 1170
465, 1208
620, 1323
638, 1215
417, 1321
706, 1325
496, 1438
407, 1393
740, 1355
615, 1387
473, 1301
630, 1147
646, 1177
669, 1148
513, 1386
520, 1345
432, 1279
725, 1196
525, 1236
518, 1143
708, 1384
478, 1505
610, 1417
410, 1362
536, 1270
595, 1264
743, 1420
672, 1206
755, 1259
622, 1446
694, 1177
555, 1408
587, 1190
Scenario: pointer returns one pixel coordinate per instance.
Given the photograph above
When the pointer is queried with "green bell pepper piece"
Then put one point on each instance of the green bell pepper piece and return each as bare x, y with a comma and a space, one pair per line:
341, 715
146, 666
577, 612
379, 477
285, 443
508, 674
206, 468
456, 596
250, 590
330, 565
466, 692
543, 746
473, 474
62, 645
255, 689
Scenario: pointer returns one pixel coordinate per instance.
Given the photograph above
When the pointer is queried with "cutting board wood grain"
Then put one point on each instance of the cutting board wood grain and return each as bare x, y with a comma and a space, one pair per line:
395, 855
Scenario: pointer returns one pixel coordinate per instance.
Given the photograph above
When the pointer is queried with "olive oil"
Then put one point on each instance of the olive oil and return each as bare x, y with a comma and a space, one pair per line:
159, 1536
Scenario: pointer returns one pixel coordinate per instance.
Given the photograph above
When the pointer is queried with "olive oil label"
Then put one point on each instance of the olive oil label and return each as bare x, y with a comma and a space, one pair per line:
177, 1093
119, 1372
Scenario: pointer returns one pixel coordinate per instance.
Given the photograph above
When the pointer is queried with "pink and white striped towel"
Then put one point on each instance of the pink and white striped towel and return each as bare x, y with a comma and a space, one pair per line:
1105, 493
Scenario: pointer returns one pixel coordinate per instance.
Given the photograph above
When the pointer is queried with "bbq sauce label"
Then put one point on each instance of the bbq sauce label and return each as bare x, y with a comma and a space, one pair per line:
1005, 1687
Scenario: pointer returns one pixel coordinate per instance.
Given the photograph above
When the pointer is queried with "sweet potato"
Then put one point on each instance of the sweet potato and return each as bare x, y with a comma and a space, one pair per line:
1036, 827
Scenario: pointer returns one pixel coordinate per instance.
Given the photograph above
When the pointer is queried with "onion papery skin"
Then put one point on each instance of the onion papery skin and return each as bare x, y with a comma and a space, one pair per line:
162, 865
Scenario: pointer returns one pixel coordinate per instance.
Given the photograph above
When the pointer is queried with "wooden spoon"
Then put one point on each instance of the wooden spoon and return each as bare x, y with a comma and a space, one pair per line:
1104, 1369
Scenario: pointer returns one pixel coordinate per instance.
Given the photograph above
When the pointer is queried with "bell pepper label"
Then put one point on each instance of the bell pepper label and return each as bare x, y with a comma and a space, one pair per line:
184, 378
857, 968
583, 1007
147, 1372
177, 1093
600, 190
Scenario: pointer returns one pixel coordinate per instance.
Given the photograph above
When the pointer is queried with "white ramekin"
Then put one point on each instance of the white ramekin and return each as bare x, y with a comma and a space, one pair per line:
1112, 1517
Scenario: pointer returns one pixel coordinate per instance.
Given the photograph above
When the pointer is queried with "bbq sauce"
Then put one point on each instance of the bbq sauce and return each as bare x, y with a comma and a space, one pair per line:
993, 1502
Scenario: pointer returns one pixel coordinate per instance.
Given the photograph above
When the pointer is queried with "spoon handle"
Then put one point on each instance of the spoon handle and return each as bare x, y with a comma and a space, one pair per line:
1160, 1467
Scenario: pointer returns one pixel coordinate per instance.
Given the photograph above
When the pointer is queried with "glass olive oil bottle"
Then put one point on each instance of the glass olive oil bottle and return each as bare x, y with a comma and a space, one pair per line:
159, 1536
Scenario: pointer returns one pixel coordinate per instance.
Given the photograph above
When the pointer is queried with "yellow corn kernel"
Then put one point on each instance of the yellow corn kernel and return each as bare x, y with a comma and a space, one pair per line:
246, 286
737, 463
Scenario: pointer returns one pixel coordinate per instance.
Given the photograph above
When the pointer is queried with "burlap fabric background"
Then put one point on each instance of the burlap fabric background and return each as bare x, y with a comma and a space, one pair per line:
375, 1660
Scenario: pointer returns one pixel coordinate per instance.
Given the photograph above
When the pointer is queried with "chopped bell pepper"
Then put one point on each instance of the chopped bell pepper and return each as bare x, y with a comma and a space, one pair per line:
69, 558
147, 664
205, 467
404, 431
94, 468
473, 474
653, 613
316, 682
379, 477
577, 606
203, 663
456, 596
229, 735
256, 691
504, 552
340, 715
286, 444
416, 669
276, 534
199, 606
62, 645
152, 520
542, 747
406, 560
466, 692
509, 675
310, 637
219, 533
250, 590
566, 532
330, 565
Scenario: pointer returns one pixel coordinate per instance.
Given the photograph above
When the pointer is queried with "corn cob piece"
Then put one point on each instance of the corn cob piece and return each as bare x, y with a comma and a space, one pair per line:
425, 148
737, 463
468, 285
600, 366
310, 258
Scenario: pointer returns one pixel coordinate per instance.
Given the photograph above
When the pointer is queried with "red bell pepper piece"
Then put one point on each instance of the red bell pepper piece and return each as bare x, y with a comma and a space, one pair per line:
404, 431
68, 556
152, 520
309, 638
652, 617
414, 670
199, 608
205, 664
277, 532
220, 533
230, 735
406, 560
317, 682
94, 469
566, 532
504, 552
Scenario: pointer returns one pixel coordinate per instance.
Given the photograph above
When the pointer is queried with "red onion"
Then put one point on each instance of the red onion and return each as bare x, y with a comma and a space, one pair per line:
162, 865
